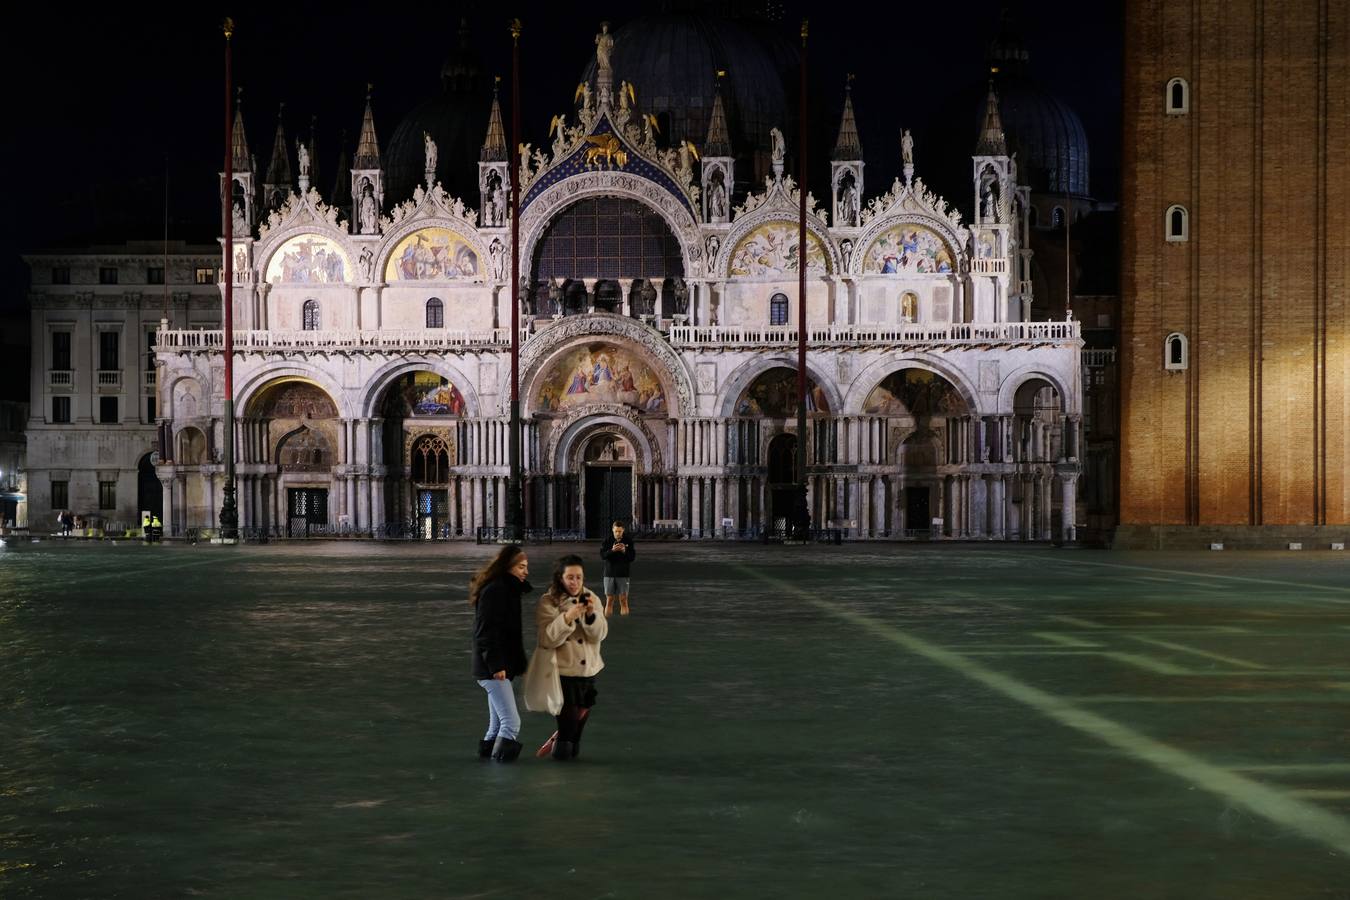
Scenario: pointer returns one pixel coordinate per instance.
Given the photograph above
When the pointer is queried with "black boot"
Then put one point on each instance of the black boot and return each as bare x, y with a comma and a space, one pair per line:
563, 749
485, 749
581, 726
505, 750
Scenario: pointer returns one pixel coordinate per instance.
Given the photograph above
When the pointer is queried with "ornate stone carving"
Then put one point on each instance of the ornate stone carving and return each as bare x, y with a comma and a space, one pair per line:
562, 426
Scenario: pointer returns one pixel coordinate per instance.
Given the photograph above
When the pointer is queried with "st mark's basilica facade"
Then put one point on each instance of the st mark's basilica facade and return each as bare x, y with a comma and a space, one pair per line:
657, 368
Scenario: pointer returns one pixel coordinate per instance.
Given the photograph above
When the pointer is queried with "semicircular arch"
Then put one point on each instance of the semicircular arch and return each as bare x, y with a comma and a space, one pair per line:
549, 345
454, 230
1008, 388
256, 385
368, 403
745, 375
537, 218
870, 378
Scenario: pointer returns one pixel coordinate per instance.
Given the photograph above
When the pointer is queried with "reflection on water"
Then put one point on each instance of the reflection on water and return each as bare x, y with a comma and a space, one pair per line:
299, 721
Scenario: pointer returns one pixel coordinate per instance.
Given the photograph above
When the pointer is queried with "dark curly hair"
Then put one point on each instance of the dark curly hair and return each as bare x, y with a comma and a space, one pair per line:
571, 559
500, 565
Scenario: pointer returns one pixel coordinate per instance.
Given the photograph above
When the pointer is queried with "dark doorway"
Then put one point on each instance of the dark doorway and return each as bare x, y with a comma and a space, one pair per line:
305, 507
433, 515
608, 296
609, 496
917, 511
149, 492
782, 480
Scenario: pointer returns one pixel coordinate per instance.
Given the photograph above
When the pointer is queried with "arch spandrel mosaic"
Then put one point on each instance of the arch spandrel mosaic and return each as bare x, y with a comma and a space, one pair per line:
600, 373
432, 254
908, 249
771, 250
914, 392
774, 395
308, 259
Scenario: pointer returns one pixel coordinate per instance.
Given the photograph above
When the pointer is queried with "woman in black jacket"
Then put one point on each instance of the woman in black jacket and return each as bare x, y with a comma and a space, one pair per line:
499, 647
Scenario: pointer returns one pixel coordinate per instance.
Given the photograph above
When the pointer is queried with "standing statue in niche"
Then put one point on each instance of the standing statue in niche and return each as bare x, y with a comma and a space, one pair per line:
497, 251
648, 296
717, 200
848, 204
237, 217
779, 148
714, 244
364, 263
369, 214
429, 147
846, 251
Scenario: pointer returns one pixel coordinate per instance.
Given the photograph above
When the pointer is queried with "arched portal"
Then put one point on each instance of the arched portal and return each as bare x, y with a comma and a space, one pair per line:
782, 481
610, 462
292, 427
423, 414
149, 494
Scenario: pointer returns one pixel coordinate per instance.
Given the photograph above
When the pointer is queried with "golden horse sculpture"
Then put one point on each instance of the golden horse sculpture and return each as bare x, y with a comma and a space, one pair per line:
608, 148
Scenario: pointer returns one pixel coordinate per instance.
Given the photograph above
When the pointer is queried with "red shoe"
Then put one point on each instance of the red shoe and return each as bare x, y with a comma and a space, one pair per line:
547, 749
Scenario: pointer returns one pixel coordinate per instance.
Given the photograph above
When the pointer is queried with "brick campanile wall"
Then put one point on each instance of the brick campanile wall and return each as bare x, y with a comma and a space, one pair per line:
1254, 432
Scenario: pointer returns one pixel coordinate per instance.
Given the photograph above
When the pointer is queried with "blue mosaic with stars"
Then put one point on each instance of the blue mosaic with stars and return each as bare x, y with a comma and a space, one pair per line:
576, 165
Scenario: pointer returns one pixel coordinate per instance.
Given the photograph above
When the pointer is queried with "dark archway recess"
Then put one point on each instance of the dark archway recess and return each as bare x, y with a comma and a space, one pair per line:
782, 475
149, 492
607, 237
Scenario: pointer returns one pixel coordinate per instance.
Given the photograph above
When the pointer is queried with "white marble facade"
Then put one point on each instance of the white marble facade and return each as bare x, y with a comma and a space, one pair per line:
372, 370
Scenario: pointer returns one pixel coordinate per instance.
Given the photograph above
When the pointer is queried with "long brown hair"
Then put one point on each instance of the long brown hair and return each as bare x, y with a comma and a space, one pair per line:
556, 585
500, 565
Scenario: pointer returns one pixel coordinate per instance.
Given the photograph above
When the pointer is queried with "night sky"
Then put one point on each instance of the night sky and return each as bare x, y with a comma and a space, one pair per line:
102, 102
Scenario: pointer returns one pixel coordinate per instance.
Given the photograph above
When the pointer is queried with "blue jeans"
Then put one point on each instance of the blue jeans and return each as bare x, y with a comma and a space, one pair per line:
503, 718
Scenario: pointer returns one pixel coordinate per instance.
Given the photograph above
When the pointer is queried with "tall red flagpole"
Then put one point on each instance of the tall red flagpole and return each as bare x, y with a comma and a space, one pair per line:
229, 513
515, 517
803, 511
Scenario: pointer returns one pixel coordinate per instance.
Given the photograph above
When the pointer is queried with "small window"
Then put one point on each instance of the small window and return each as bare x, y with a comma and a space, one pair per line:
909, 306
60, 274
1178, 97
61, 410
154, 275
150, 410
1176, 352
107, 275
61, 350
435, 313
310, 315
1057, 217
107, 495
107, 350
60, 494
206, 275
1178, 224
107, 410
778, 309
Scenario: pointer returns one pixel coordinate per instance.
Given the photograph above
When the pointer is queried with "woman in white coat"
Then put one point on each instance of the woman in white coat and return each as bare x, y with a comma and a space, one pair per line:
571, 627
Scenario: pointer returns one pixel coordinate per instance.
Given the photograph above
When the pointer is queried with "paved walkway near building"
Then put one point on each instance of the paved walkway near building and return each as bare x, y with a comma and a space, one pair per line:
855, 721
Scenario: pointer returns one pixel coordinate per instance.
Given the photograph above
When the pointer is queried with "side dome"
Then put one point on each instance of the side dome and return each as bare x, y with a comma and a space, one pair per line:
456, 120
1047, 135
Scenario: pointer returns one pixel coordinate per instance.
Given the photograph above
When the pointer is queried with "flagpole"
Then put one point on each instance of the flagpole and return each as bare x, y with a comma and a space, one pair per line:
802, 518
229, 513
515, 524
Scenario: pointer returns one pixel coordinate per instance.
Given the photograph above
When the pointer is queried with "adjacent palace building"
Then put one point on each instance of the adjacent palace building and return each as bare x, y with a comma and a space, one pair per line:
657, 367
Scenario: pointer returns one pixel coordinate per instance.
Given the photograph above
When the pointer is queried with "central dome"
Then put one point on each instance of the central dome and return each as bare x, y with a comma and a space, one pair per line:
672, 61
1048, 137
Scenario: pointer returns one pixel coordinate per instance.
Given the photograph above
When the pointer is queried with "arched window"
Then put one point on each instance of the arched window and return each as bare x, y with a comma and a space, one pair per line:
310, 315
1178, 224
1057, 217
909, 306
435, 313
1176, 352
778, 309
1178, 97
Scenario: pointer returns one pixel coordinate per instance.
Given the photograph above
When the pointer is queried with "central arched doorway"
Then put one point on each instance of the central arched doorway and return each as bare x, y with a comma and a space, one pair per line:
424, 419
149, 494
782, 480
608, 489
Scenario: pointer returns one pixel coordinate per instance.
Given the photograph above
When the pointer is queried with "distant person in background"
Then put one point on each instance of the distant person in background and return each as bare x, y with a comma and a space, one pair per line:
618, 553
499, 647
